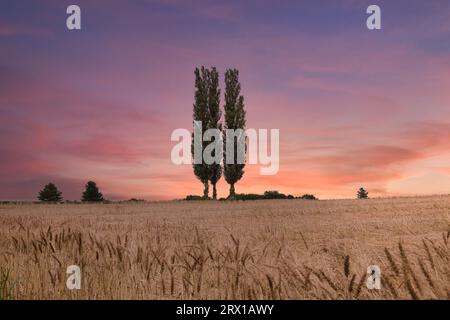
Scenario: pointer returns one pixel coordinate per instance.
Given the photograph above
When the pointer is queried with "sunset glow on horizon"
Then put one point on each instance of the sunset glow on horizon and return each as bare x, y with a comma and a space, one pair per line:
355, 108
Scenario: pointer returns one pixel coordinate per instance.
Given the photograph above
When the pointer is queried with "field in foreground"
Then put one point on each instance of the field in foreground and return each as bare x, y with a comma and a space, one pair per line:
280, 249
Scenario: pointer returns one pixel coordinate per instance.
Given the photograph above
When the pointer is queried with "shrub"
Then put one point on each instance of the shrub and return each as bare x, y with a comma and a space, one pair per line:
193, 198
308, 197
248, 196
274, 195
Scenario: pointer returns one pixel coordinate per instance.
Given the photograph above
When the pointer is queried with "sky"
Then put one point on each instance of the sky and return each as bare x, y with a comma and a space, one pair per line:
355, 107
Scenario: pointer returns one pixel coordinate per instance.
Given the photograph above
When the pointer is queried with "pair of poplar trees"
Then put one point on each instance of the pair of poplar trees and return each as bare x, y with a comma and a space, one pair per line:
207, 110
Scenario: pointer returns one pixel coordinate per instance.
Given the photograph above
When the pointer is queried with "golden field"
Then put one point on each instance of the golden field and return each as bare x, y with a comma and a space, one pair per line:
267, 249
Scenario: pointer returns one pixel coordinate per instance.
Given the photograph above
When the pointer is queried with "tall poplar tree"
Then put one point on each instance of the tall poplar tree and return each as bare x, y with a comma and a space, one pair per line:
234, 119
201, 113
215, 169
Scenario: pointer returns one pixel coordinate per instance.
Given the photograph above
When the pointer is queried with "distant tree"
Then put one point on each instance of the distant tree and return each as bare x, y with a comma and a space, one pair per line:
50, 193
201, 113
362, 194
308, 197
92, 193
234, 119
214, 115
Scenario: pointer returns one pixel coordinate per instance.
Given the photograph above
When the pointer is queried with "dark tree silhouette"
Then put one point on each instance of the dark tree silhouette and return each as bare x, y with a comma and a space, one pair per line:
201, 113
215, 169
50, 193
234, 119
308, 197
91, 193
362, 194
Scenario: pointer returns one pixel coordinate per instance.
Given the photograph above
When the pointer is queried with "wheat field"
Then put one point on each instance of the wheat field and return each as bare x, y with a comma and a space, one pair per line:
268, 249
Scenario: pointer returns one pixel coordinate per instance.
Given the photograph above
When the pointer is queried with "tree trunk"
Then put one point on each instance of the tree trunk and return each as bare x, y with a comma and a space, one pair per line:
206, 190
214, 195
232, 195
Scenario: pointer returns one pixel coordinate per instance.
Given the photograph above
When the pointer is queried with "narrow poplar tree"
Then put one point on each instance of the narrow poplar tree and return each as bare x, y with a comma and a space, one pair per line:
234, 119
215, 169
201, 113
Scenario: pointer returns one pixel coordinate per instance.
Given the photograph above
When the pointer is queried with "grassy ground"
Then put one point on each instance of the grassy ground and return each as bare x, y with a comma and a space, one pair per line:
280, 249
